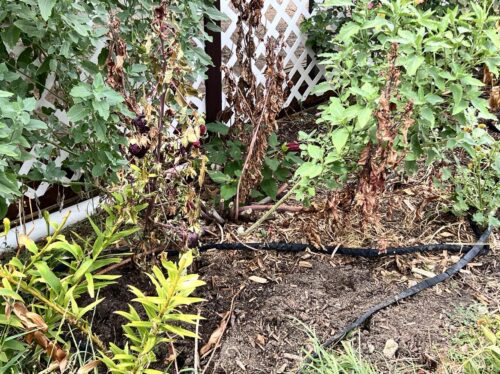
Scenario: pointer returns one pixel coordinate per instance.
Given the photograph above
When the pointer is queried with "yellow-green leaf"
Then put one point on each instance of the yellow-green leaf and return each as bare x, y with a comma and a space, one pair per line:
48, 276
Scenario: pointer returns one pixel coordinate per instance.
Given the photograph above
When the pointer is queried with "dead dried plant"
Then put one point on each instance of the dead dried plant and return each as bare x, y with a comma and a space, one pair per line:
378, 159
36, 328
492, 84
255, 106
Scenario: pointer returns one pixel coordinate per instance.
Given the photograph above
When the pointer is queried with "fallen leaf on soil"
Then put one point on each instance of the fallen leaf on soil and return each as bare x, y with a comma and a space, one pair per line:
257, 279
292, 357
260, 340
216, 335
305, 264
88, 367
390, 348
446, 234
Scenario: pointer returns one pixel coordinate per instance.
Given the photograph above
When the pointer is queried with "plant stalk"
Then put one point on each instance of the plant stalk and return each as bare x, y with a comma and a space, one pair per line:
70, 317
273, 209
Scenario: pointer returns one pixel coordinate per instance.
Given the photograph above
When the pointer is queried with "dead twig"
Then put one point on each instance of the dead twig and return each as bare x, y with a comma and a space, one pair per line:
273, 209
282, 208
219, 332
128, 260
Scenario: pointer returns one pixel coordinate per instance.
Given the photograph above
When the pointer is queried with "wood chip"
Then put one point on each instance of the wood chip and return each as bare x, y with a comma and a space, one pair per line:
425, 273
260, 340
289, 356
390, 348
305, 264
240, 364
257, 279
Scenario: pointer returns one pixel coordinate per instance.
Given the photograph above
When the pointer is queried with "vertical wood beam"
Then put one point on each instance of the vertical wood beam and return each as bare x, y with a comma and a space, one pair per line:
213, 83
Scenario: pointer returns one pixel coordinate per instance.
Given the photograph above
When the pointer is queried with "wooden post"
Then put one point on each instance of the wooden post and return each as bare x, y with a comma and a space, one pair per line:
213, 83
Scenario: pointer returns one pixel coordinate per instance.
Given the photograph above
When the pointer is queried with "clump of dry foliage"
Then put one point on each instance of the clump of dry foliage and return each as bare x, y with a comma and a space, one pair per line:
378, 159
256, 106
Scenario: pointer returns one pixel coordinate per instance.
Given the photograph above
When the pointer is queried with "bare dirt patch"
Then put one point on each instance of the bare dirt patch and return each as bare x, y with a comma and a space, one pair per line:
263, 335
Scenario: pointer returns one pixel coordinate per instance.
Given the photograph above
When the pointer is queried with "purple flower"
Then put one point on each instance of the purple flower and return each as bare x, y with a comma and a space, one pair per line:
137, 150
371, 5
141, 124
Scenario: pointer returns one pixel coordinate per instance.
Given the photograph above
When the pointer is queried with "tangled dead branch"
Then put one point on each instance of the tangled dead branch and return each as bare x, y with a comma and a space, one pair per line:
256, 106
378, 159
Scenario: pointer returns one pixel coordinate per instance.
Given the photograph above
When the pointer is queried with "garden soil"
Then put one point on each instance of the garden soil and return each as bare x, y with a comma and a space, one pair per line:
277, 292
264, 299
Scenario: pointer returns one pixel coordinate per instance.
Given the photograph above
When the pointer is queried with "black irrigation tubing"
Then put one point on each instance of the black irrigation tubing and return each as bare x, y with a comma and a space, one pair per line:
345, 251
470, 252
427, 283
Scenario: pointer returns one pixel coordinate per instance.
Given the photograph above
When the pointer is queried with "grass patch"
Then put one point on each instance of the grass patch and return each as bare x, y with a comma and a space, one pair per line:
475, 349
342, 361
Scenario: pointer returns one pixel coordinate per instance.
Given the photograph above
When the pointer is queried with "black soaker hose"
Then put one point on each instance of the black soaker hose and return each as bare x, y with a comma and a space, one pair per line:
346, 251
427, 283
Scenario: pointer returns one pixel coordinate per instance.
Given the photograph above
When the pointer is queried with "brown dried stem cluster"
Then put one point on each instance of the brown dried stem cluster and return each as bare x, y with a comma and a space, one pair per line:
116, 58
377, 159
256, 107
493, 86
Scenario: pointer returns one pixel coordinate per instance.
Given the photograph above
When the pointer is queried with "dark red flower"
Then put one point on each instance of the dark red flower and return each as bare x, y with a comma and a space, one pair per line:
293, 147
203, 130
160, 12
137, 150
192, 240
196, 144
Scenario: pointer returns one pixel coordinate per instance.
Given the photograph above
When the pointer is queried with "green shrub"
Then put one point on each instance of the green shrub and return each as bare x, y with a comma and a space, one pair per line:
440, 59
228, 155
46, 51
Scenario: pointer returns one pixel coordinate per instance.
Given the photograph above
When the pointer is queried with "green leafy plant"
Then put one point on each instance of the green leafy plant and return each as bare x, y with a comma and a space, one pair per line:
72, 76
322, 26
228, 156
343, 361
162, 309
440, 58
476, 179
46, 51
41, 293
476, 347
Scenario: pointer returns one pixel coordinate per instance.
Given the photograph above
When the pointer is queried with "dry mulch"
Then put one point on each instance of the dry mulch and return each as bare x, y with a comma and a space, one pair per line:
326, 294
267, 292
263, 334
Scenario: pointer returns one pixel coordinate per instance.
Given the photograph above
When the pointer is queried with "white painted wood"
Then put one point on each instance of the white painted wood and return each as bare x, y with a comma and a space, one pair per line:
37, 229
279, 17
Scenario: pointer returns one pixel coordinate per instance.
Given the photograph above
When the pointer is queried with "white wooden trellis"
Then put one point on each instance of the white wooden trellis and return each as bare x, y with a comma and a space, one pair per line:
278, 17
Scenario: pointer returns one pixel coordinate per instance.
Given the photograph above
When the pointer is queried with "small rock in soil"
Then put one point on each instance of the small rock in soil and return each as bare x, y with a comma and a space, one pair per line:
390, 348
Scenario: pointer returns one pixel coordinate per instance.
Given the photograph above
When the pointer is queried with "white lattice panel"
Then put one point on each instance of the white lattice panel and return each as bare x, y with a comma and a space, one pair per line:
278, 17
